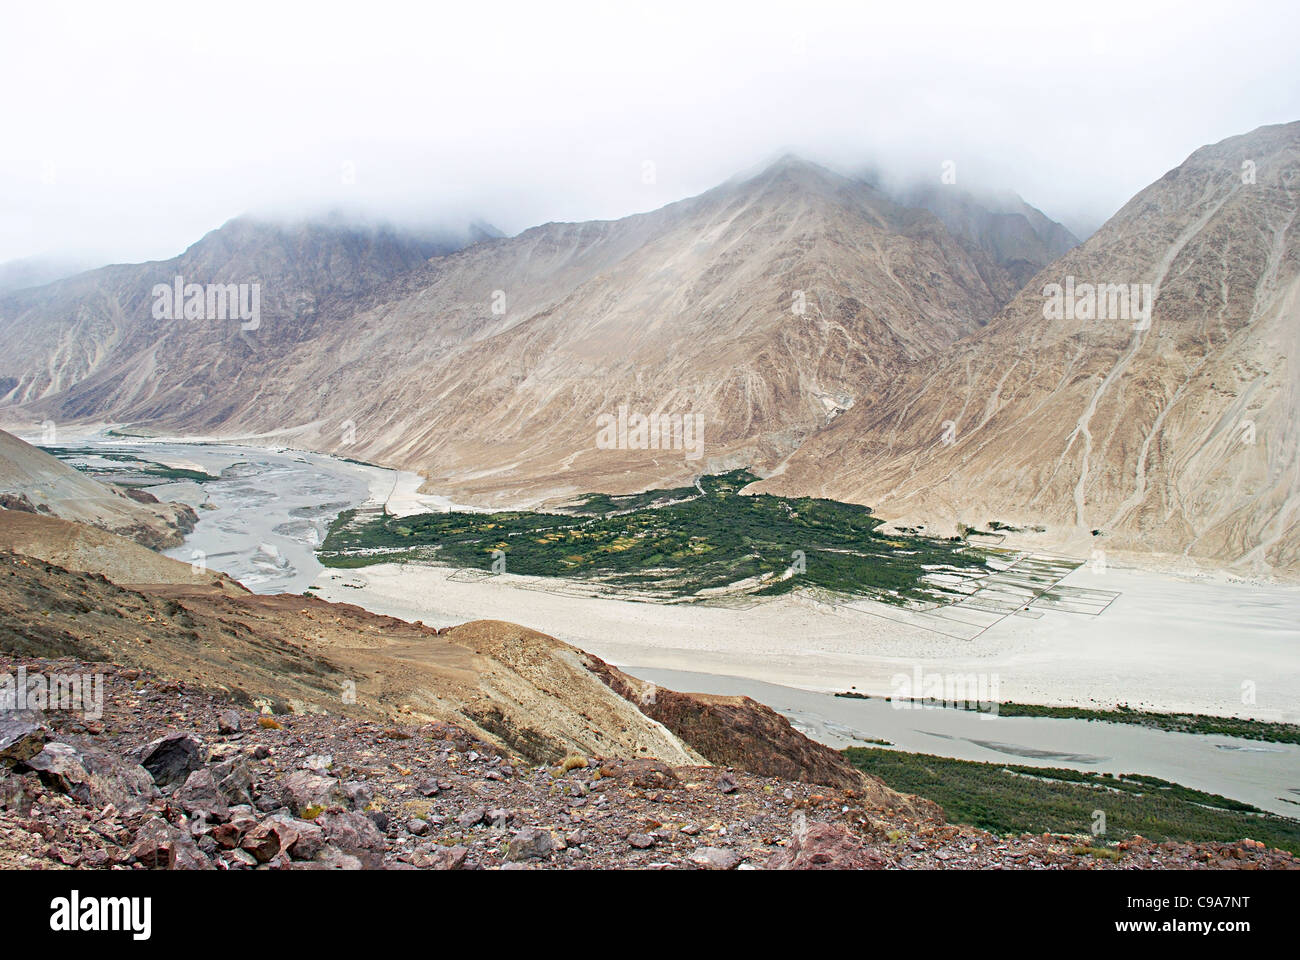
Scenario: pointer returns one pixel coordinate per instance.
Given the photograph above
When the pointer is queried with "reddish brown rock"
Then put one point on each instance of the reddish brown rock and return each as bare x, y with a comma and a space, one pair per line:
825, 846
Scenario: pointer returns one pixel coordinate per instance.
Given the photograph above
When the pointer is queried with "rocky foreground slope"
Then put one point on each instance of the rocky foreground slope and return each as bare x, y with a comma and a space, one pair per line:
171, 777
522, 691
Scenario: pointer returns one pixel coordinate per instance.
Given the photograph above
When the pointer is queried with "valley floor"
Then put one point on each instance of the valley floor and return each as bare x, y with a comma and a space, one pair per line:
1162, 642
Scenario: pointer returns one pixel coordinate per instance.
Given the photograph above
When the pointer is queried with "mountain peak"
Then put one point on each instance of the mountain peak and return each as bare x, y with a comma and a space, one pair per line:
790, 173
791, 161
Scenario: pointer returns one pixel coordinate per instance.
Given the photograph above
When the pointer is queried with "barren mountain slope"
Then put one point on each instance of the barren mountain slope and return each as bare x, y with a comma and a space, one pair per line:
93, 342
1179, 438
1018, 237
763, 307
32, 481
87, 549
308, 655
692, 310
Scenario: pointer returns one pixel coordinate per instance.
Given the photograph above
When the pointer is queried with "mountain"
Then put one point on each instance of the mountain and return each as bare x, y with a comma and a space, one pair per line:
1019, 238
1180, 436
36, 271
94, 341
759, 310
33, 482
811, 327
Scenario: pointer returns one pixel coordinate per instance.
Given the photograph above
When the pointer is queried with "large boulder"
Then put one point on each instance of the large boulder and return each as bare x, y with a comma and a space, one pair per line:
115, 780
153, 843
171, 759
530, 843
280, 834
228, 835
199, 796
825, 846
94, 777
355, 835
439, 858
20, 739
234, 780
60, 766
303, 789
308, 840
186, 855
14, 794
269, 838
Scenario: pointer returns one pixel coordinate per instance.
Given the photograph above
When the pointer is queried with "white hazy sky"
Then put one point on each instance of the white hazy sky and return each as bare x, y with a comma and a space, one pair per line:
130, 129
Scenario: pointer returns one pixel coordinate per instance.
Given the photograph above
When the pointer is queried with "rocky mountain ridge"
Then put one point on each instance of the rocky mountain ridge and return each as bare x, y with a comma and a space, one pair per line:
1175, 434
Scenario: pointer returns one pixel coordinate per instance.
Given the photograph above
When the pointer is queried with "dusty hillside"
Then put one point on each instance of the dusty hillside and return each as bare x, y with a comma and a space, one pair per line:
310, 656
32, 481
1179, 438
85, 549
737, 731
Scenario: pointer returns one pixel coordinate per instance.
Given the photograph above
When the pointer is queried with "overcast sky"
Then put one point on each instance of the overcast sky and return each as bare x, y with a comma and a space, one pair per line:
130, 129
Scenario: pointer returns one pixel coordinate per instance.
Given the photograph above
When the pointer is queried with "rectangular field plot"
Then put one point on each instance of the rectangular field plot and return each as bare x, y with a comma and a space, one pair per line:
1026, 587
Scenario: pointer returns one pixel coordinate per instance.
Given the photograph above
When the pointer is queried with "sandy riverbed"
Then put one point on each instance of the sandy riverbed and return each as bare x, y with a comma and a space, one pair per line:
1163, 644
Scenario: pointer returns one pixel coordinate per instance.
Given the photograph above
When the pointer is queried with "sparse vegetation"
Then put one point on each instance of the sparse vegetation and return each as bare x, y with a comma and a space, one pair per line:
1172, 722
671, 544
146, 468
1101, 853
1010, 799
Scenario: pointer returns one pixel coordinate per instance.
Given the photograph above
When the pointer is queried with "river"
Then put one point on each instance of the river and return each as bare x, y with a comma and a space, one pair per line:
262, 519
